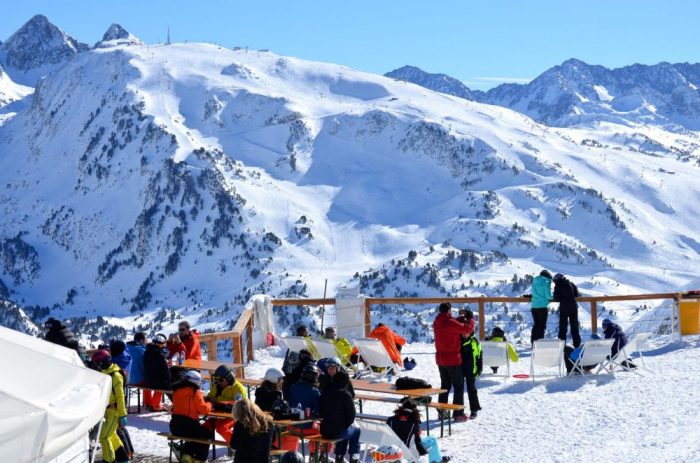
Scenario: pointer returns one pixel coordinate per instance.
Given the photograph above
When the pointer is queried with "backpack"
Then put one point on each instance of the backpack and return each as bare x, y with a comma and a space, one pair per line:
291, 362
406, 382
282, 411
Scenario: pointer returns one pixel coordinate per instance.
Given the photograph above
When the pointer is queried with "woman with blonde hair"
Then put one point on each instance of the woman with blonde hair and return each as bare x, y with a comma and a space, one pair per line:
252, 433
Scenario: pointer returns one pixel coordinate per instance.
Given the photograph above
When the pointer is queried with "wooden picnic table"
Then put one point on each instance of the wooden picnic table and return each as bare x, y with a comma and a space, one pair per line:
388, 388
210, 365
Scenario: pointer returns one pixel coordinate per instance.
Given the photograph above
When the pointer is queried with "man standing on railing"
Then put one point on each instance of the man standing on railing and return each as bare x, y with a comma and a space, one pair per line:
448, 342
185, 341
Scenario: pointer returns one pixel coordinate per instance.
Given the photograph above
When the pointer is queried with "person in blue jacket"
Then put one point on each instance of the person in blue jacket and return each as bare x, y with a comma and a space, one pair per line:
614, 331
307, 394
541, 296
121, 357
136, 349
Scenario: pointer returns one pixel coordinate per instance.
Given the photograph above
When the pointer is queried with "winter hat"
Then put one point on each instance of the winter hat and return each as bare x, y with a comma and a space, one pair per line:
546, 274
159, 339
193, 377
102, 359
558, 277
52, 323
607, 322
498, 332
117, 347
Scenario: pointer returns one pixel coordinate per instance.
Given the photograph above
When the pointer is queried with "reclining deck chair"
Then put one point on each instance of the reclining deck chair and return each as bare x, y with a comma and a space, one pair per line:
297, 343
374, 355
547, 353
326, 348
495, 354
594, 352
378, 434
635, 344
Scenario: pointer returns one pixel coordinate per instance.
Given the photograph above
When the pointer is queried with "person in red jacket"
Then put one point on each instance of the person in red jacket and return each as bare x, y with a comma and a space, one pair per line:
185, 341
448, 342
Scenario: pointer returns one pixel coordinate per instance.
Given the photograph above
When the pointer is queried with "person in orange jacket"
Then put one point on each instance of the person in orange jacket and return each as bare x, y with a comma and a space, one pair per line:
188, 406
392, 341
185, 341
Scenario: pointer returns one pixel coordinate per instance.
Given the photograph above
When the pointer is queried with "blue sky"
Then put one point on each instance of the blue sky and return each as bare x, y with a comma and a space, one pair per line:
482, 43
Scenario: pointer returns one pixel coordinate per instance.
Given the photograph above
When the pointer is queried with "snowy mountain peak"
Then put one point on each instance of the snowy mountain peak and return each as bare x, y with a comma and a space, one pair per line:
117, 35
36, 46
437, 82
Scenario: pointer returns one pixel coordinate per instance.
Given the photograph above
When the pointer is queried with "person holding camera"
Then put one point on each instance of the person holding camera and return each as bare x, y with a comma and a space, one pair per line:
185, 342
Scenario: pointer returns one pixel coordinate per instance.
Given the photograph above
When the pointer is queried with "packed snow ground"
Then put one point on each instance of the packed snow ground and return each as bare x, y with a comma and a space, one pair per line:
651, 416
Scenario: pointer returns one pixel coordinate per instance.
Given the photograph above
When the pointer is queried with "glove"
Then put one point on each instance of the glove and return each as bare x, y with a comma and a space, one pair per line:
122, 421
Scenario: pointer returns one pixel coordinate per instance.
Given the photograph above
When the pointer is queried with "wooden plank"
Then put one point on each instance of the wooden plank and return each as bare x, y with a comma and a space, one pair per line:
209, 365
283, 302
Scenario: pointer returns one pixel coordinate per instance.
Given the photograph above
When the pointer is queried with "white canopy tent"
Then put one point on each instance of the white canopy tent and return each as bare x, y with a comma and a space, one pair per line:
49, 400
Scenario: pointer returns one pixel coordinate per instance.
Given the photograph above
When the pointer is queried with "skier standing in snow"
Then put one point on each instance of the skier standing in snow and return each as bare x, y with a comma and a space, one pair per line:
448, 340
541, 291
565, 293
471, 362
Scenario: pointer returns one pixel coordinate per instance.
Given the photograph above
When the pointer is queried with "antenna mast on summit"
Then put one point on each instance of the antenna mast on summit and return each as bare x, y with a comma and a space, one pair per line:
168, 41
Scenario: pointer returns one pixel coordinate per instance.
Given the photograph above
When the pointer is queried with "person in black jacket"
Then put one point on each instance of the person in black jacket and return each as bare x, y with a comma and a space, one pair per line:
60, 334
252, 433
565, 293
406, 424
337, 410
329, 367
614, 331
270, 391
290, 379
155, 370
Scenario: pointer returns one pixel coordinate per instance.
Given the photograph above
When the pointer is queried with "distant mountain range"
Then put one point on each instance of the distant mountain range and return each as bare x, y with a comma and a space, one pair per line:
575, 93
140, 184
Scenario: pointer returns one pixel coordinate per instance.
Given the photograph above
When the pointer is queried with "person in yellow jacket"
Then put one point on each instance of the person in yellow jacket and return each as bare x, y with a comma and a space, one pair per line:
115, 414
224, 391
342, 346
497, 334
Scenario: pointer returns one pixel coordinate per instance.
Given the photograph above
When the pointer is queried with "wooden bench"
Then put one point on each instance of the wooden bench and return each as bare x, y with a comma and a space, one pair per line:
367, 416
322, 447
213, 442
129, 392
445, 409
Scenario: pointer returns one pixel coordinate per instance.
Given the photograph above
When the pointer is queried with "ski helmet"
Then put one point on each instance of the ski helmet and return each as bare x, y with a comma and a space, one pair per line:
388, 453
558, 277
224, 372
409, 363
273, 375
159, 339
310, 373
102, 359
193, 377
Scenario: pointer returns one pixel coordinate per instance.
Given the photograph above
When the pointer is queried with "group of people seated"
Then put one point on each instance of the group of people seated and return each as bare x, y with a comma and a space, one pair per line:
320, 392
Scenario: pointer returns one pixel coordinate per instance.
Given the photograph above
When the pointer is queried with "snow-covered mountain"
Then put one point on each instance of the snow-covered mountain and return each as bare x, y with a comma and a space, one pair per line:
37, 48
575, 93
437, 82
162, 181
117, 35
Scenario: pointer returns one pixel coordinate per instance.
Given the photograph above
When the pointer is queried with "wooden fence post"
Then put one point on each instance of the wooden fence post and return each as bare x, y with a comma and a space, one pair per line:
212, 354
368, 317
482, 319
594, 316
249, 343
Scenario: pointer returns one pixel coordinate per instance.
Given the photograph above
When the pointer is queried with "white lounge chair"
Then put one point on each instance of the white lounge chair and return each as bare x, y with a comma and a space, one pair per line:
326, 348
594, 352
495, 354
378, 434
547, 353
297, 343
636, 344
374, 355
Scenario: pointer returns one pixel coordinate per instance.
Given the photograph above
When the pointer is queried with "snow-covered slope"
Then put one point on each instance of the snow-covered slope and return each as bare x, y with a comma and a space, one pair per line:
147, 177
